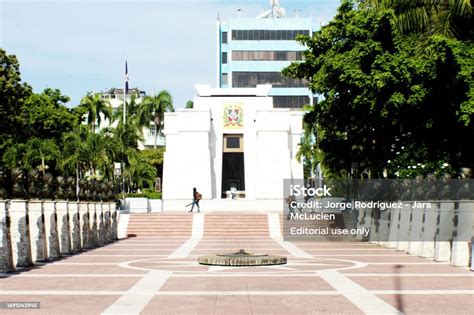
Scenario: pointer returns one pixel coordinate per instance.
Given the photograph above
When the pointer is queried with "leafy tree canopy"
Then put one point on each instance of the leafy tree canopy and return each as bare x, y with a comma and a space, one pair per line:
385, 96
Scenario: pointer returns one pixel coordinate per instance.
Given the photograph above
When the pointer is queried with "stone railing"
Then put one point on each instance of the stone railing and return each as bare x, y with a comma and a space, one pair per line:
442, 231
34, 231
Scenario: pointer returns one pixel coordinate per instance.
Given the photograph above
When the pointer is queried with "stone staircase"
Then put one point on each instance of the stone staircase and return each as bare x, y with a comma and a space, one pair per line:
236, 225
160, 224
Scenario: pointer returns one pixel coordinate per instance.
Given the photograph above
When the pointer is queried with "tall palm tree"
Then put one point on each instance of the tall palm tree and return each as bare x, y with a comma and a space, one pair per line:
154, 108
451, 18
134, 114
41, 151
73, 157
96, 106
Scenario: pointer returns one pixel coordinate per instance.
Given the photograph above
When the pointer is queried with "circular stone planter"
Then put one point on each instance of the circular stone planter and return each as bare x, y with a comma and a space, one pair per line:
241, 258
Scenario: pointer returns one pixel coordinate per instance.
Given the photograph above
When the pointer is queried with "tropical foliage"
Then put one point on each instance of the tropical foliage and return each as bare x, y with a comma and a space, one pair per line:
38, 131
154, 108
397, 97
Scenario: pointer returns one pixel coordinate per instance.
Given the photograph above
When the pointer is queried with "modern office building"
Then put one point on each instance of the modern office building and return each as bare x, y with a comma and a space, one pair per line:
253, 51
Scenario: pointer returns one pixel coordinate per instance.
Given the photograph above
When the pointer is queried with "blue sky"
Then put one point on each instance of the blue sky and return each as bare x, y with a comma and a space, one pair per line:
80, 46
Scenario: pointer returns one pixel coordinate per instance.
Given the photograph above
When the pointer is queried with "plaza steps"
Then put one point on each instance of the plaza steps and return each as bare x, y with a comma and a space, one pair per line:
236, 225
159, 224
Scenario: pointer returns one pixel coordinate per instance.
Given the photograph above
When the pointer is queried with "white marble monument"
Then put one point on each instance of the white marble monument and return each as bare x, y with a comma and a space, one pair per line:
233, 137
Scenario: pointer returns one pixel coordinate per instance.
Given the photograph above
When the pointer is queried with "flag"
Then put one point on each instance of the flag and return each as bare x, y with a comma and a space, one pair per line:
126, 77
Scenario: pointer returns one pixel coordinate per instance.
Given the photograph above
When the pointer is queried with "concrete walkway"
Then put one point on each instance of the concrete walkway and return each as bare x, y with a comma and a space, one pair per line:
159, 275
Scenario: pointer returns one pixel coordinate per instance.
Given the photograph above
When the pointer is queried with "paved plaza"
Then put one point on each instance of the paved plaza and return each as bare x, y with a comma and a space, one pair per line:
158, 274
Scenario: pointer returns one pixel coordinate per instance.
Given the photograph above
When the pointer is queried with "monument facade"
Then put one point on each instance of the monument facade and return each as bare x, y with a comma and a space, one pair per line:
233, 143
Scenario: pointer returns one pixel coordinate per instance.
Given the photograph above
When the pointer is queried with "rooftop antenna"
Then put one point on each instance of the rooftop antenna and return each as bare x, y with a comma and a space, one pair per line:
239, 11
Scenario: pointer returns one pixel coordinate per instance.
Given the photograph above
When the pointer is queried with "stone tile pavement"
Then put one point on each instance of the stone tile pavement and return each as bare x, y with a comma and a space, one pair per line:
145, 276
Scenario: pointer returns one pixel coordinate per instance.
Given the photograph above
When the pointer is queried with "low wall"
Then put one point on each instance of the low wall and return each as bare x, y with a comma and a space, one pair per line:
442, 231
34, 231
142, 205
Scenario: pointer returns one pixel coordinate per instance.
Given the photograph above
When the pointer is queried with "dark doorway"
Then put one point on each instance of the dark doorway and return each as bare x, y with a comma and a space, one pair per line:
232, 172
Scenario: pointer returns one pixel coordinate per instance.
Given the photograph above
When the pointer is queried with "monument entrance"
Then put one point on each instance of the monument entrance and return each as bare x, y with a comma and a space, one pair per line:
233, 177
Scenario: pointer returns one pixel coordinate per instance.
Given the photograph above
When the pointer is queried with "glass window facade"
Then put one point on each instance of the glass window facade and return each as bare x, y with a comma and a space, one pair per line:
240, 55
276, 79
292, 101
267, 34
224, 78
224, 58
224, 37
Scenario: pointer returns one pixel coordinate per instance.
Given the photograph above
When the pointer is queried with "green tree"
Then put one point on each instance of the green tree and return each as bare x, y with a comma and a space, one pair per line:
41, 154
12, 95
383, 94
189, 104
73, 156
96, 107
45, 116
13, 156
450, 18
154, 108
134, 113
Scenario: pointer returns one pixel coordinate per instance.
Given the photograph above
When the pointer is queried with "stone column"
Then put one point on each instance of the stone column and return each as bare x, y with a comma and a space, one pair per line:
39, 245
6, 254
394, 231
384, 226
75, 226
92, 225
404, 230
99, 206
375, 226
107, 222
114, 222
414, 246
444, 233
361, 222
20, 233
85, 226
429, 230
64, 234
463, 225
51, 227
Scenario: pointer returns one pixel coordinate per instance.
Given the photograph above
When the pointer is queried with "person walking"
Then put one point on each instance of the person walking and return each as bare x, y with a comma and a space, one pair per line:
196, 197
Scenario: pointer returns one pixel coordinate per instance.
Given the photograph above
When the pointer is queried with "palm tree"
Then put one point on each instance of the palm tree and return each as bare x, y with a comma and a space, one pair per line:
134, 114
13, 156
96, 106
451, 18
74, 158
141, 173
154, 108
41, 151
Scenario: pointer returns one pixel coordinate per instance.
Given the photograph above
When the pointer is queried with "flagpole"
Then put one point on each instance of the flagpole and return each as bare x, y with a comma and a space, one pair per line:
124, 115
125, 91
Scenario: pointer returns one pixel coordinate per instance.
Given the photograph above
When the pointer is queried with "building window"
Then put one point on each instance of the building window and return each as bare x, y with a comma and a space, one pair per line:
267, 34
224, 57
233, 143
293, 101
251, 79
239, 55
224, 78
224, 37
